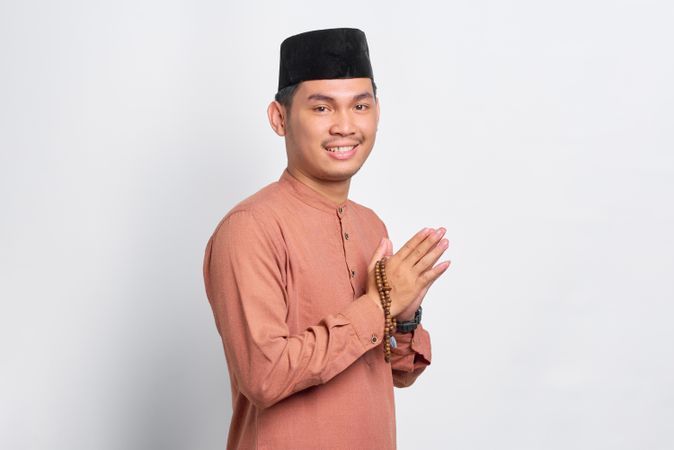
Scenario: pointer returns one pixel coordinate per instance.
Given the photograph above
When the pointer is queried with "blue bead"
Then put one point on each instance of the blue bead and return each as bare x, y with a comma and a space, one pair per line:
394, 343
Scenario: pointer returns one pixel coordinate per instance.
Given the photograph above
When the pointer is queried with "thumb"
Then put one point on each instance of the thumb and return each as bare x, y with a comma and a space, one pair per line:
389, 247
378, 253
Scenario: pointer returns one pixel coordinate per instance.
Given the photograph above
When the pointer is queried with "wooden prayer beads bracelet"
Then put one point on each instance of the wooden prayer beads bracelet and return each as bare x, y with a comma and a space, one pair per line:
390, 322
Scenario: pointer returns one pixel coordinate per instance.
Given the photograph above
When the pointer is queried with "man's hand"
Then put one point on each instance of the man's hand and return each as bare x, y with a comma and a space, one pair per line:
410, 271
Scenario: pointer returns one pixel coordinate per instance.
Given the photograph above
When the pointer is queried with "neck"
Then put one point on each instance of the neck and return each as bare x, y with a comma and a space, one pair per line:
336, 191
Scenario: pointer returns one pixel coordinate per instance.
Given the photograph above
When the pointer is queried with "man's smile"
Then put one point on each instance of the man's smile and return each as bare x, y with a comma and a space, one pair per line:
342, 151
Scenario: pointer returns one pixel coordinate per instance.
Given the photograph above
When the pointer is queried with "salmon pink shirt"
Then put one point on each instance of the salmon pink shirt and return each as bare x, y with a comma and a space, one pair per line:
286, 275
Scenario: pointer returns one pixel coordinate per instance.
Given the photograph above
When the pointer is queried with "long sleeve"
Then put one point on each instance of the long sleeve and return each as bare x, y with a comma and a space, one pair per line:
244, 272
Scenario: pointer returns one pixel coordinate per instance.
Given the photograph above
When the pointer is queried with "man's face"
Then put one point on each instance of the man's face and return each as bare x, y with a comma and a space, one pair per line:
331, 127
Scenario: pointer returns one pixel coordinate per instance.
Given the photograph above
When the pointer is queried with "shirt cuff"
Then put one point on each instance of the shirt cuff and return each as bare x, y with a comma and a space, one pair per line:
413, 350
367, 320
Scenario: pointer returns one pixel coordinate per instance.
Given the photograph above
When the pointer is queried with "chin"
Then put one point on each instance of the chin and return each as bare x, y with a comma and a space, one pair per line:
340, 175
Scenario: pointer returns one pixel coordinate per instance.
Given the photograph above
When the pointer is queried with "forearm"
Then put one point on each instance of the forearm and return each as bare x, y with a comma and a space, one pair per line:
270, 365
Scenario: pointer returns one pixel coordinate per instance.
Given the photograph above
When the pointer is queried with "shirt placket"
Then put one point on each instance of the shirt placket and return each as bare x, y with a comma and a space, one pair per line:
348, 237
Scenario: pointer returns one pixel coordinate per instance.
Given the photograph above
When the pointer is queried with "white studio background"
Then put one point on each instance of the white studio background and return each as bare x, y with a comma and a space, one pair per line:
538, 133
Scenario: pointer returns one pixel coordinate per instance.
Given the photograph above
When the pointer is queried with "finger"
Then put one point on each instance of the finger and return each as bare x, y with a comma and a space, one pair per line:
389, 248
432, 256
410, 245
424, 246
378, 254
433, 274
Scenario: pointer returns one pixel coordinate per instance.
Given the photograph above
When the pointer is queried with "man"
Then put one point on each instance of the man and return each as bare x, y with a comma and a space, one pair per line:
289, 271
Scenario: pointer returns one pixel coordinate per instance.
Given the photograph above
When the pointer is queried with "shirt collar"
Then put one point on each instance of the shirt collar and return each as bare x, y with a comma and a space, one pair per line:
310, 196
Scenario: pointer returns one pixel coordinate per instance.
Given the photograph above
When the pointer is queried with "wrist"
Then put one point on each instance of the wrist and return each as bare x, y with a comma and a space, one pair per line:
407, 318
408, 326
375, 298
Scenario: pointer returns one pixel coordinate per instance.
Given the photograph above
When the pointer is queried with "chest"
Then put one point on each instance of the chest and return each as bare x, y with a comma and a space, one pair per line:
326, 265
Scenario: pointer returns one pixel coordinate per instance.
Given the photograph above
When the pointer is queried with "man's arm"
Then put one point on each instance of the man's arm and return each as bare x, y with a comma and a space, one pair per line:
245, 282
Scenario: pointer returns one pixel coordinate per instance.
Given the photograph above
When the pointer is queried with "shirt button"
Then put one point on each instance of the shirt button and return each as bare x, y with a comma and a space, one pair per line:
353, 273
340, 209
346, 236
373, 339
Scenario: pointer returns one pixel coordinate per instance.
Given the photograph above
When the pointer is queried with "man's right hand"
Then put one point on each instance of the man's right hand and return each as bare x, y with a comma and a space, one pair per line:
410, 271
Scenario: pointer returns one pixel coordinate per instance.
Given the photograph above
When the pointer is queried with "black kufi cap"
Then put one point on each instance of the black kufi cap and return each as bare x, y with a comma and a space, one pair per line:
324, 54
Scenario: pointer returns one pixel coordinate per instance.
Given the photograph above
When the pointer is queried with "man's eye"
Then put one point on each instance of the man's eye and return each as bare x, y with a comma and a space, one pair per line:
320, 109
362, 107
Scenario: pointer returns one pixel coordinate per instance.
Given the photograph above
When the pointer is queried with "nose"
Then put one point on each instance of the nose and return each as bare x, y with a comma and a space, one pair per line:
343, 124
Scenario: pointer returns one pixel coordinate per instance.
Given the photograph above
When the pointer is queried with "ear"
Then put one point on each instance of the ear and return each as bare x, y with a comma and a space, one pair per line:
276, 115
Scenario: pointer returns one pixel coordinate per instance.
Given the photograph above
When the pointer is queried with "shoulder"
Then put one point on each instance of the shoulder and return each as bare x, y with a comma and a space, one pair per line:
261, 203
254, 214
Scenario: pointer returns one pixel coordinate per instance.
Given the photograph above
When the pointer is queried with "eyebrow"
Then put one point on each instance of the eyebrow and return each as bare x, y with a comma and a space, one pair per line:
326, 98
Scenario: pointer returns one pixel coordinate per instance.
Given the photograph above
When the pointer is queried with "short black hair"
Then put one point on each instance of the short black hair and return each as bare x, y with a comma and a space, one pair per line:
285, 95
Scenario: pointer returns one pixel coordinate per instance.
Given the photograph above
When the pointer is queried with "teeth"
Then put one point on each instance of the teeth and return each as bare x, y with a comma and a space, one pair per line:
340, 149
